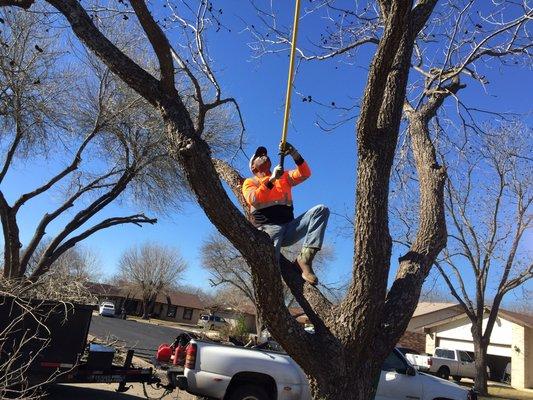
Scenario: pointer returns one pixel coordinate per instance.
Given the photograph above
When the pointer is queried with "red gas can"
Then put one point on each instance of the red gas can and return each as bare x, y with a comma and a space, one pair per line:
164, 352
179, 355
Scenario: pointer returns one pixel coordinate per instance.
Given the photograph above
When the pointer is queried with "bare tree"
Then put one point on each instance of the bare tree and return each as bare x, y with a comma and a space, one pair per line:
150, 270
359, 332
34, 115
115, 141
488, 202
79, 263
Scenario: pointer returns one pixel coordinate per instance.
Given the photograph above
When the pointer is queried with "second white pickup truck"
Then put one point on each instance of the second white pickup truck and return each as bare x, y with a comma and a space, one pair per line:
455, 363
237, 373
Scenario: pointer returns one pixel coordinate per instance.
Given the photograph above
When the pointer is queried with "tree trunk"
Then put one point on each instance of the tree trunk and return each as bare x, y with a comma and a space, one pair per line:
12, 243
146, 306
480, 354
345, 383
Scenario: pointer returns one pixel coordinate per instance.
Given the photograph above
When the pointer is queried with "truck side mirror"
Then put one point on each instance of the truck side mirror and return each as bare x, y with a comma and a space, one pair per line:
410, 371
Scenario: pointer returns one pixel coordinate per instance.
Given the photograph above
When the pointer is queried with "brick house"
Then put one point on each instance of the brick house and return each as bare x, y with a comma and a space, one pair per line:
175, 305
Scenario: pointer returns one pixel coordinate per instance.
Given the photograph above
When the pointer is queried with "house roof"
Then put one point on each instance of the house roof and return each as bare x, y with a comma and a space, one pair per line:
517, 318
188, 300
244, 308
428, 307
96, 288
176, 298
524, 320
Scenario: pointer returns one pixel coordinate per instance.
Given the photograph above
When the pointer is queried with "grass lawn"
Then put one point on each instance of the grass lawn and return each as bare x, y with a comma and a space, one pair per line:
499, 392
507, 393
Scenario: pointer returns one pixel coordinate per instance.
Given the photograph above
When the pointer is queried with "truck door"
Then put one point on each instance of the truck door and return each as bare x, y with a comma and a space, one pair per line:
395, 384
467, 367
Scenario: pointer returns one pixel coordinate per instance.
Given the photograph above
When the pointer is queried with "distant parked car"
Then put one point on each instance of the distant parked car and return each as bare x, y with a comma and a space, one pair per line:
107, 309
212, 322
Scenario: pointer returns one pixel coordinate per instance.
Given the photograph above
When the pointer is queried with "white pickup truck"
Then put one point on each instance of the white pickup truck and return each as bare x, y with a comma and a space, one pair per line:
419, 361
455, 363
238, 373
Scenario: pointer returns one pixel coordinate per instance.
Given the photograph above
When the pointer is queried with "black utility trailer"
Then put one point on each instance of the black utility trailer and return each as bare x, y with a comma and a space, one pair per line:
47, 340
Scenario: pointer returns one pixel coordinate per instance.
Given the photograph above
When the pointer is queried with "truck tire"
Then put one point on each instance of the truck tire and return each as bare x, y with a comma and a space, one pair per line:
248, 392
443, 373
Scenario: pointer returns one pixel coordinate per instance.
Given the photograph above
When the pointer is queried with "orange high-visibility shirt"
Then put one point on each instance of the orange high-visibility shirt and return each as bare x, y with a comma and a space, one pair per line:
272, 203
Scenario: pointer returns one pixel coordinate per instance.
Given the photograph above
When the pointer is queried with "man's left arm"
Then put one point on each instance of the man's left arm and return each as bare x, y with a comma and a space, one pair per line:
302, 170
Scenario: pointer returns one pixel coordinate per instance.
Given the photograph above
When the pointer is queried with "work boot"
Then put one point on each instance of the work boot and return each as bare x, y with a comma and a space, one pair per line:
305, 262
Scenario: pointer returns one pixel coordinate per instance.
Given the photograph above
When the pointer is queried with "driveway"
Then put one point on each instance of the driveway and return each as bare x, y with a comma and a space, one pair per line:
143, 338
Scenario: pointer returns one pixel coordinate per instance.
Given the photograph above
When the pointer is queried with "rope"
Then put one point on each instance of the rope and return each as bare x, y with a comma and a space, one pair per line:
165, 393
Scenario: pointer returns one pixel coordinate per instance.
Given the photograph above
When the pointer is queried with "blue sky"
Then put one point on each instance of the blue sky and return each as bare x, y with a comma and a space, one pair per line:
259, 87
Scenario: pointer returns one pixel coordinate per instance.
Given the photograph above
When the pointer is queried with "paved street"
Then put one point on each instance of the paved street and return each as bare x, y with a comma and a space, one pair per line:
143, 338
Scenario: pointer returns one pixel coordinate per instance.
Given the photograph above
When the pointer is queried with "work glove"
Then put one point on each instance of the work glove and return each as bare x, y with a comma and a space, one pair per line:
276, 173
287, 149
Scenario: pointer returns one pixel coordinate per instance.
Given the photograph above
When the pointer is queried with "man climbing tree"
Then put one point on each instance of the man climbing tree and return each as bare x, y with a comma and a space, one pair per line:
269, 195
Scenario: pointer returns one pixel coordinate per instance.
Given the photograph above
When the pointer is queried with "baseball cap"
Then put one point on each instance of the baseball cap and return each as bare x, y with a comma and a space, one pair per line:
260, 151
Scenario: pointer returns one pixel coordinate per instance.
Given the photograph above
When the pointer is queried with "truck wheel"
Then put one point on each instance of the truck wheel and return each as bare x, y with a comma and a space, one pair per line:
457, 379
249, 392
443, 373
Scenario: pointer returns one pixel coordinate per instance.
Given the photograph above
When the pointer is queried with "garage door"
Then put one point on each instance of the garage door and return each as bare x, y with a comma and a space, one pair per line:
497, 350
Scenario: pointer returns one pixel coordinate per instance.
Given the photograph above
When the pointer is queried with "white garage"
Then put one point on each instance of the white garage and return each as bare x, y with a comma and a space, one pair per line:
511, 341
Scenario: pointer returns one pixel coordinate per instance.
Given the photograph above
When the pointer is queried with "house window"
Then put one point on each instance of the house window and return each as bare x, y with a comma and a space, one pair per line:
187, 313
171, 312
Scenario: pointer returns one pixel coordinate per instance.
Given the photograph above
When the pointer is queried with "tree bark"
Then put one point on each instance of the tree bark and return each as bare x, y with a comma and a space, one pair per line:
345, 383
12, 244
146, 306
480, 354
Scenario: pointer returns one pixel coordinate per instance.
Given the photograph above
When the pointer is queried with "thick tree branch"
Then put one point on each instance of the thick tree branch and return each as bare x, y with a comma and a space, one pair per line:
315, 305
159, 43
131, 73
466, 303
40, 231
52, 255
11, 152
421, 14
431, 235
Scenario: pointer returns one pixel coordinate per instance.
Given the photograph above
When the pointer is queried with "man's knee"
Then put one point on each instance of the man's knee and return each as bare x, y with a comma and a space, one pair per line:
321, 209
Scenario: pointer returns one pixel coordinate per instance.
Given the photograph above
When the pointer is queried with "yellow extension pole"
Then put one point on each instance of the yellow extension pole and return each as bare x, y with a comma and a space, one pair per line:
290, 79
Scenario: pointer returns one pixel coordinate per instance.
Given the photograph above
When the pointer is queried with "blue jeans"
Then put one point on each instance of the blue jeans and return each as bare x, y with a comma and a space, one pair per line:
311, 225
